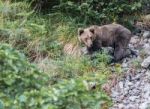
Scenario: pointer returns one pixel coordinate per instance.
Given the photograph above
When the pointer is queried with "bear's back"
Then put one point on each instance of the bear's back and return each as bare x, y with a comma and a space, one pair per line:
111, 33
113, 30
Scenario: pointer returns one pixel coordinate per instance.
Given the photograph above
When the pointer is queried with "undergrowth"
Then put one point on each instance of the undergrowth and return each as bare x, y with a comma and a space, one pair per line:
68, 85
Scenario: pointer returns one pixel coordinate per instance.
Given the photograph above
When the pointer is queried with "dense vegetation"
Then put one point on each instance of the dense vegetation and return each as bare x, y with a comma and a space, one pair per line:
34, 72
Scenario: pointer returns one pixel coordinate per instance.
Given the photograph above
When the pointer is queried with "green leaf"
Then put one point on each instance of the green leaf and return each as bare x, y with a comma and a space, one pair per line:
9, 81
22, 98
73, 106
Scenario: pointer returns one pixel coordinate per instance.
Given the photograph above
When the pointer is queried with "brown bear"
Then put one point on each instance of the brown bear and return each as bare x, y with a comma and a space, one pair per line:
111, 35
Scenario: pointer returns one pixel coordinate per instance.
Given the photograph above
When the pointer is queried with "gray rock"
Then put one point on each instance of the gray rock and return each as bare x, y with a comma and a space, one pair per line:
148, 40
124, 65
146, 48
131, 46
137, 84
143, 71
121, 106
146, 62
146, 34
126, 92
129, 83
143, 106
137, 77
121, 85
147, 94
114, 94
134, 40
132, 106
136, 92
148, 73
141, 43
132, 98
146, 87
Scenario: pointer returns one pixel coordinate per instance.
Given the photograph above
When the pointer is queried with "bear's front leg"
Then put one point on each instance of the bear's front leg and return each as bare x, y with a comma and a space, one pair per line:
90, 50
119, 54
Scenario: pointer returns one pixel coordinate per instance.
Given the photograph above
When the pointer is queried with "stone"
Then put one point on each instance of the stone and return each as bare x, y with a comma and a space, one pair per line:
146, 34
130, 83
146, 62
124, 65
146, 48
134, 40
148, 40
136, 92
147, 94
131, 46
132, 98
146, 87
145, 40
121, 85
121, 106
137, 84
141, 43
143, 106
131, 106
137, 77
143, 70
148, 73
114, 94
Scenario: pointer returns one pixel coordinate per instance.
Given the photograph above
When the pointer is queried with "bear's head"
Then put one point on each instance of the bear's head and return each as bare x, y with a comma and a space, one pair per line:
87, 36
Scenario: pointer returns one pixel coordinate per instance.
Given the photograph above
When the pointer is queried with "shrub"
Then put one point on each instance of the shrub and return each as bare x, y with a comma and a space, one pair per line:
23, 86
77, 94
17, 76
98, 11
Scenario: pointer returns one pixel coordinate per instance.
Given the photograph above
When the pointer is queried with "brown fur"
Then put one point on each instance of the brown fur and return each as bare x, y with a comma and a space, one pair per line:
112, 35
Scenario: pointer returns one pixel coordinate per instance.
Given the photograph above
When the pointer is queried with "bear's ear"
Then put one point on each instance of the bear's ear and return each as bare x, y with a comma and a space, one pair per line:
80, 31
92, 30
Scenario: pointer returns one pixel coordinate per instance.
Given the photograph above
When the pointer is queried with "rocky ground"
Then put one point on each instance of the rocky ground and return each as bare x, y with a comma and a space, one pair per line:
132, 91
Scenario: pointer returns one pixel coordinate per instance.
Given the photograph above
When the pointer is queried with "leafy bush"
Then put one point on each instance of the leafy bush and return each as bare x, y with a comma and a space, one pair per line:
23, 86
17, 76
76, 94
146, 6
98, 11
